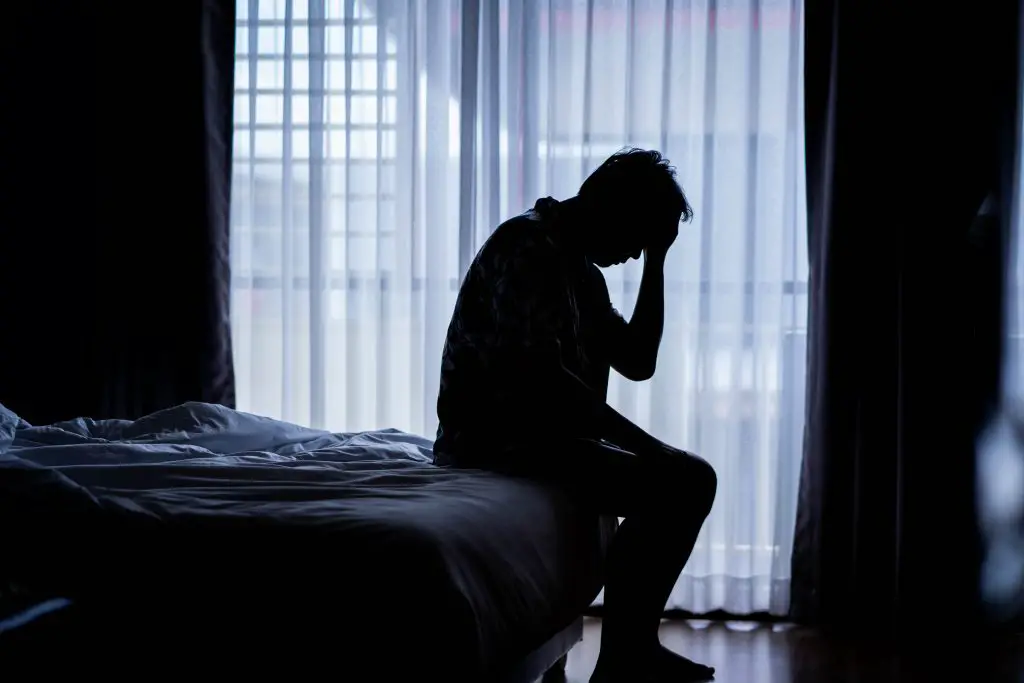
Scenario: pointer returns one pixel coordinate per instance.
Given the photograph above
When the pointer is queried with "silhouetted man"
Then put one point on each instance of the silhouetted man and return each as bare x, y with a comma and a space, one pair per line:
524, 381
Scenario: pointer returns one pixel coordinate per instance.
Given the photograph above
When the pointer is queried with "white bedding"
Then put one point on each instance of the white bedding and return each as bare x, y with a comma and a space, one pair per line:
218, 500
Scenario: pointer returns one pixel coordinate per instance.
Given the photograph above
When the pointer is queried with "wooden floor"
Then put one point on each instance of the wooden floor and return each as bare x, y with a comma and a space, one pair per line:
752, 653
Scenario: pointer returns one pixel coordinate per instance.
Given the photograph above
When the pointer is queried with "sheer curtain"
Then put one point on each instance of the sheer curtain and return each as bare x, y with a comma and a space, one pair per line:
377, 144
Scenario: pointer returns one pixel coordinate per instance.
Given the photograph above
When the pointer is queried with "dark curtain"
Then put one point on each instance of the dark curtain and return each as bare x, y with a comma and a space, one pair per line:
910, 127
116, 149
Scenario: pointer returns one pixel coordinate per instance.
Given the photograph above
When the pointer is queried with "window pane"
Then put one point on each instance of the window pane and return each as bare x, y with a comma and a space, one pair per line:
269, 144
269, 109
241, 74
387, 178
337, 305
266, 250
300, 39
364, 181
337, 217
335, 109
300, 144
363, 253
364, 74
388, 223
241, 251
242, 149
300, 216
363, 144
337, 145
389, 144
391, 75
335, 9
364, 38
271, 9
364, 109
338, 252
241, 108
362, 216
300, 109
335, 78
270, 74
270, 40
335, 39
241, 218
336, 179
300, 74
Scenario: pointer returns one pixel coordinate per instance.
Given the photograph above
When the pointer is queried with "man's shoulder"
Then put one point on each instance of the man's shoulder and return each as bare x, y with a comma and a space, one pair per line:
519, 235
518, 229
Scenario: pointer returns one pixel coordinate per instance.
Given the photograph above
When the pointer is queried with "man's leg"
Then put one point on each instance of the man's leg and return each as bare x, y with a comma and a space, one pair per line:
648, 553
664, 499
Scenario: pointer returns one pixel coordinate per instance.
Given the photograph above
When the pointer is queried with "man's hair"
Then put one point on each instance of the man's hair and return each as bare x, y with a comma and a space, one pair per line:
635, 175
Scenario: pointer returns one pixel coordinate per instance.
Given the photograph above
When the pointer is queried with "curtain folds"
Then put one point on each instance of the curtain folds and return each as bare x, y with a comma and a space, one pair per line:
907, 138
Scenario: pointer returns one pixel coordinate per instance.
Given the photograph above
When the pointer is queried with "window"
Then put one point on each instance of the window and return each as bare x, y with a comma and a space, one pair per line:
315, 96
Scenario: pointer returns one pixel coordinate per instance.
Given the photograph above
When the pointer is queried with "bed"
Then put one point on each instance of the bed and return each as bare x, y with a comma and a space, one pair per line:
218, 529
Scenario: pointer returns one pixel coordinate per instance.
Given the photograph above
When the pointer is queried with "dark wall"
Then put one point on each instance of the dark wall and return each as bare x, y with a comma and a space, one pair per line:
113, 221
48, 212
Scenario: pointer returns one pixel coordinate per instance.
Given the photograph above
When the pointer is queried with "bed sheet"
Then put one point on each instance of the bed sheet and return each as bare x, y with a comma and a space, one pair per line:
200, 503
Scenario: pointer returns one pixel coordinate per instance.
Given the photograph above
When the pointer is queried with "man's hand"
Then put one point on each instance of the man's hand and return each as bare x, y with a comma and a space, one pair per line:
662, 238
667, 451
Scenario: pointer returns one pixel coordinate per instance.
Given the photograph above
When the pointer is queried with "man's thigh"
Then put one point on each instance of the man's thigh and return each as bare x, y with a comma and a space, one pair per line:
601, 476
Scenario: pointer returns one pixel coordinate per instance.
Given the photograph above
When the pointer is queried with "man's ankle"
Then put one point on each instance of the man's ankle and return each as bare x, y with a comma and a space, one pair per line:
626, 651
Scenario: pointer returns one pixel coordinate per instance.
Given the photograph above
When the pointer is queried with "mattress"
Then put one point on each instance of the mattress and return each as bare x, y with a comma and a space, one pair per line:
223, 522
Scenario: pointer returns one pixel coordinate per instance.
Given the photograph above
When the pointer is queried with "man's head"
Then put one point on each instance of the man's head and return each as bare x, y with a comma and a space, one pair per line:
629, 203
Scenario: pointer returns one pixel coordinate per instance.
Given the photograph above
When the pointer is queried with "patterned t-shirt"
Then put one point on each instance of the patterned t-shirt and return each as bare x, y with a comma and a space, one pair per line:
530, 308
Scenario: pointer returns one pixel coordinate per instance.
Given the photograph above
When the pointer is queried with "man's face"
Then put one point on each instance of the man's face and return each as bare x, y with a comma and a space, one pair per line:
614, 245
616, 240
611, 238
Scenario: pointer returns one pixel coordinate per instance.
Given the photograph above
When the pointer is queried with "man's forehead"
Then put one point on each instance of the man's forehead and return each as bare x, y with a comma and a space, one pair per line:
648, 221
657, 213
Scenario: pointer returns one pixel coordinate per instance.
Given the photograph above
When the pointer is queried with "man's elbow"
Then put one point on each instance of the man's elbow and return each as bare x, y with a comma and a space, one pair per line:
635, 361
646, 371
639, 371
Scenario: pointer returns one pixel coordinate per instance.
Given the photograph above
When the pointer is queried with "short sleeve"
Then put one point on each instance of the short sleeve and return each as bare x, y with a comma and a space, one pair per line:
530, 298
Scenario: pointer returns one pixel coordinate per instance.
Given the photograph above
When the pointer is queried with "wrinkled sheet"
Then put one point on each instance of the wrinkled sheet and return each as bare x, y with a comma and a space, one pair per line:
200, 502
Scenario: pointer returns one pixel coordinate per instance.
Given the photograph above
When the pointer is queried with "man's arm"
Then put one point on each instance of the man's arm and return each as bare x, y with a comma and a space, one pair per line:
528, 323
593, 415
633, 346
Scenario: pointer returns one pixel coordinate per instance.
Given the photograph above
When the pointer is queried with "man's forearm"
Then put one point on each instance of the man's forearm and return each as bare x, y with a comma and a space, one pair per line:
648, 320
592, 415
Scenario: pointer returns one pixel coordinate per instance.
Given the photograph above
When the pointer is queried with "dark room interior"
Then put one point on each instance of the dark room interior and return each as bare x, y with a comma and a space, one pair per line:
232, 237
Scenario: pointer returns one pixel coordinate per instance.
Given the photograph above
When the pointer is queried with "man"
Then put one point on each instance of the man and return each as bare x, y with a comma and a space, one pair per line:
526, 364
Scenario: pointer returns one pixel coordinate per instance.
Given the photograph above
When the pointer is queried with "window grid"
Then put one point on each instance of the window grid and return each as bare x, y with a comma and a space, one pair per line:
355, 128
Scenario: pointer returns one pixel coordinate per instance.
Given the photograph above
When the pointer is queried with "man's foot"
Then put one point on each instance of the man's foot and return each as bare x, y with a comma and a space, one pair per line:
669, 666
612, 673
663, 666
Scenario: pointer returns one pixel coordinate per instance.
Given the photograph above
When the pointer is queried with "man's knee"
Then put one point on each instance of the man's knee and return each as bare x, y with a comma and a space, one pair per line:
699, 483
684, 483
